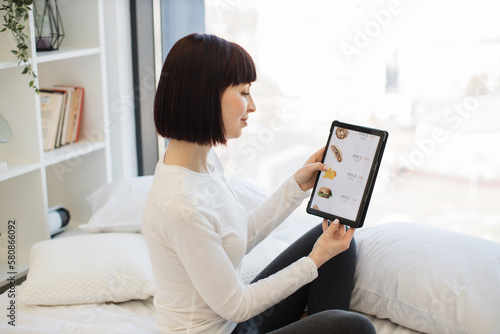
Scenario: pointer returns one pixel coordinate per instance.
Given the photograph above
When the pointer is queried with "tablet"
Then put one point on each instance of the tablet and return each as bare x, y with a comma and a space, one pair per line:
343, 192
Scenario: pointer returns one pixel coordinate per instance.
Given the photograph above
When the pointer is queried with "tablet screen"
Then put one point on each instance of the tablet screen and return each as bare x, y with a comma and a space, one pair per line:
350, 154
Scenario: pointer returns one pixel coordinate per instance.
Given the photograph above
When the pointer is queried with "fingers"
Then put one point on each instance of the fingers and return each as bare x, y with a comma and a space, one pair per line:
338, 230
317, 166
317, 156
333, 228
350, 232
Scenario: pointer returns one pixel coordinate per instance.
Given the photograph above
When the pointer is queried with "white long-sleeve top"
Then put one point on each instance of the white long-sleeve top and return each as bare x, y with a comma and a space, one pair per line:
197, 234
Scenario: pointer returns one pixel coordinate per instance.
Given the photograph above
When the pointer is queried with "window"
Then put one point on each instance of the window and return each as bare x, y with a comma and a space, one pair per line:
426, 71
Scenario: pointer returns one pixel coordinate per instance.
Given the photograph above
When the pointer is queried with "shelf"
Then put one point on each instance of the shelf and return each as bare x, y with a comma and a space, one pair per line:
67, 152
71, 230
71, 151
16, 168
7, 63
36, 180
65, 53
10, 63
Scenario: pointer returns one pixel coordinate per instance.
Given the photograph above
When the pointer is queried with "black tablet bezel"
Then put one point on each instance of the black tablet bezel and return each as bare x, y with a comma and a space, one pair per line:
365, 201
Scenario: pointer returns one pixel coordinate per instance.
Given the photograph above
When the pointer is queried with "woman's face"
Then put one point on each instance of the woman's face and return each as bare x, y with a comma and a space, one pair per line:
236, 104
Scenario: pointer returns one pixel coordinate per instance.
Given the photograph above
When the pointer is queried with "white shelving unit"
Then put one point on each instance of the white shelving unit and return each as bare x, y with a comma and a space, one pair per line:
36, 180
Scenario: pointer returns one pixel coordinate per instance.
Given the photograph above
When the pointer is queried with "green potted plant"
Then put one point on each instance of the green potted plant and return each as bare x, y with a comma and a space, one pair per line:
15, 15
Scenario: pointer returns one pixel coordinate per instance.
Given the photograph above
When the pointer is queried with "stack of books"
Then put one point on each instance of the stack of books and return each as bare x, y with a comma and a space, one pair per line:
61, 108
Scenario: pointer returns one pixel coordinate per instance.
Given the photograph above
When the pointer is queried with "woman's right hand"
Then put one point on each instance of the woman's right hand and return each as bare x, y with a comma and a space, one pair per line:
334, 240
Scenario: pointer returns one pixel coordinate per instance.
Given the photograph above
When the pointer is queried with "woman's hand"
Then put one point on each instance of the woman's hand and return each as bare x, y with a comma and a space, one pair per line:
306, 176
334, 240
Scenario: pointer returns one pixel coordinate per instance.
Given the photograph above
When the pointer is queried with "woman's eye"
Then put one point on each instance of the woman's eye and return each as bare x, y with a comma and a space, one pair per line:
245, 93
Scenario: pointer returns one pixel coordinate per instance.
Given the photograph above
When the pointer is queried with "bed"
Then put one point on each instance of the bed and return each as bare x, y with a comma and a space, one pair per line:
410, 278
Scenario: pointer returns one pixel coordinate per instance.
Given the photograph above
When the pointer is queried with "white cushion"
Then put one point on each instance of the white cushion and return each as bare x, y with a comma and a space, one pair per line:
428, 279
249, 195
118, 206
91, 268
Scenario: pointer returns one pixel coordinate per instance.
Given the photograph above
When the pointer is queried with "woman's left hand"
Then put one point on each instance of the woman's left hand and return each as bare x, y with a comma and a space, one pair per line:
306, 176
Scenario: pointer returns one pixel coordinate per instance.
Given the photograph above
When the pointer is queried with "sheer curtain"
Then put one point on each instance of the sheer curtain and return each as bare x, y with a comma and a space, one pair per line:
426, 71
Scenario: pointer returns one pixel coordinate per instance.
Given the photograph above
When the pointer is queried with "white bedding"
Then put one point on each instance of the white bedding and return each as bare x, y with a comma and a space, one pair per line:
138, 316
132, 317
408, 275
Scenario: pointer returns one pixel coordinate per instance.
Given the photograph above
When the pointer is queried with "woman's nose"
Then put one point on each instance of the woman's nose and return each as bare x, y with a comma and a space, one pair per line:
251, 105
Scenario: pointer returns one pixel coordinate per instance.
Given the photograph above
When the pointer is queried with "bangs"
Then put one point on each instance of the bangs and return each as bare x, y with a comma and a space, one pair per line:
240, 68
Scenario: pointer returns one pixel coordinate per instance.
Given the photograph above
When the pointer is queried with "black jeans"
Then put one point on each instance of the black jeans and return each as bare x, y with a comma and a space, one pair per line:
327, 298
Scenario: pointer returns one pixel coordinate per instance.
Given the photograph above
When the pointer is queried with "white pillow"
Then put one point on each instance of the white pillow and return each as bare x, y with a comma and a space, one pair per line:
428, 279
249, 195
90, 268
118, 206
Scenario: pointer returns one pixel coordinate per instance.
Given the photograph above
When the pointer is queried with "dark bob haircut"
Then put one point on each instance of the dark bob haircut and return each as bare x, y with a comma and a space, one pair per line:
197, 70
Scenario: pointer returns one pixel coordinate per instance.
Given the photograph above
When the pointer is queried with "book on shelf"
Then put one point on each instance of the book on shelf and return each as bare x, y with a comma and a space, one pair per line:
51, 105
65, 115
61, 108
75, 114
62, 115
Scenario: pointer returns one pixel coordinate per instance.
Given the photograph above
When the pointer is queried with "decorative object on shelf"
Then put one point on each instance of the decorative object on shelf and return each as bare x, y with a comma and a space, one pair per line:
15, 16
49, 29
58, 219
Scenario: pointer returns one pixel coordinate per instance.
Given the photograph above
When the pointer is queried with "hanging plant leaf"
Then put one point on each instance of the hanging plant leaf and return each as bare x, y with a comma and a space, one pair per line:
15, 13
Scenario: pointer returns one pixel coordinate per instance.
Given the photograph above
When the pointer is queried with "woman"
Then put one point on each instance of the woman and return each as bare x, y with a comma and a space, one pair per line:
198, 233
